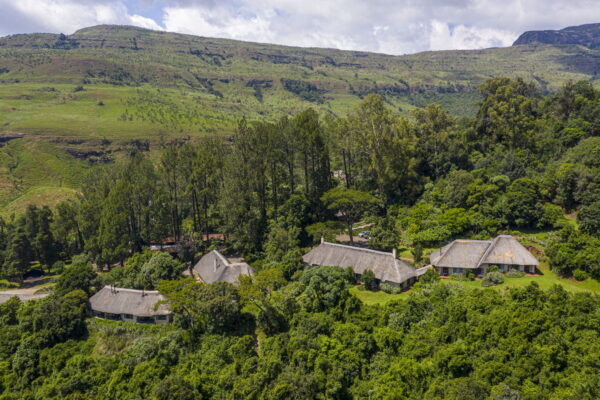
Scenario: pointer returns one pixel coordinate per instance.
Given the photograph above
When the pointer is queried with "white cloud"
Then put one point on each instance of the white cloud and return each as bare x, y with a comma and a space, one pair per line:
389, 26
65, 16
144, 22
218, 22
444, 37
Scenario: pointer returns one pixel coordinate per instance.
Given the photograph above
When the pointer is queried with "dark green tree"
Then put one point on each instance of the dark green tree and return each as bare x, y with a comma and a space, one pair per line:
589, 219
368, 279
350, 203
80, 275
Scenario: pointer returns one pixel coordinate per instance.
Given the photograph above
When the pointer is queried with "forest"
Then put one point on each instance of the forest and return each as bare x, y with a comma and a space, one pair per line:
528, 163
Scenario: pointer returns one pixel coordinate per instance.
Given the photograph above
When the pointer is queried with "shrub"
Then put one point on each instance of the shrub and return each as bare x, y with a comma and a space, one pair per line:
391, 289
492, 278
551, 215
589, 219
4, 284
580, 275
58, 267
515, 273
468, 276
368, 279
428, 277
417, 253
493, 268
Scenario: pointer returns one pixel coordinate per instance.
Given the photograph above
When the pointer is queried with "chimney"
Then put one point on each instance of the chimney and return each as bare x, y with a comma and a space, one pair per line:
322, 239
216, 266
394, 253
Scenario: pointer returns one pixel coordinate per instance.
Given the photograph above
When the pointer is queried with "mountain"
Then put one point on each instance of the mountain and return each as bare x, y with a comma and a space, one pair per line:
583, 35
89, 96
212, 82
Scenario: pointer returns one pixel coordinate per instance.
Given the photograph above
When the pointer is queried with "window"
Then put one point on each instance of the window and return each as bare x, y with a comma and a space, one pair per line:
161, 317
127, 316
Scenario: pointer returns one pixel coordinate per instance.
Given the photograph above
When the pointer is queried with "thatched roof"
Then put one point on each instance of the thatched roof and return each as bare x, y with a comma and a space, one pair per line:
128, 301
507, 250
460, 254
471, 254
214, 267
384, 265
423, 270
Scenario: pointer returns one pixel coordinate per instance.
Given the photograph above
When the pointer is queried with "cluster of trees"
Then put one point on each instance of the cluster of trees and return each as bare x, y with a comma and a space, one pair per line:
575, 253
290, 333
308, 338
424, 179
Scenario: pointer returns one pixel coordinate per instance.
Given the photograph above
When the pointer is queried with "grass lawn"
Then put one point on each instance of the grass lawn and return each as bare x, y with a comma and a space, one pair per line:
545, 281
378, 297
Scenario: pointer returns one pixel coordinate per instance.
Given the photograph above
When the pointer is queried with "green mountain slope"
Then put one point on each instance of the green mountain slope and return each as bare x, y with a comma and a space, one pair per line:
105, 88
207, 83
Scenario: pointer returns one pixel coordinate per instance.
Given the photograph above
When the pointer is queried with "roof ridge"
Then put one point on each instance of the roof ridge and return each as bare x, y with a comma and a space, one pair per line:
442, 255
222, 257
385, 253
140, 291
488, 251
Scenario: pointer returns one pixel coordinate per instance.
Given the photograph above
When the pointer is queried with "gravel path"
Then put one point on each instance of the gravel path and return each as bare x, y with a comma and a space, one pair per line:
24, 294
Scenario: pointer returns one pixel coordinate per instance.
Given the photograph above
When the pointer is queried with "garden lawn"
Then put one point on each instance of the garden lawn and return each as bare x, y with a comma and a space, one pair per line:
378, 297
545, 281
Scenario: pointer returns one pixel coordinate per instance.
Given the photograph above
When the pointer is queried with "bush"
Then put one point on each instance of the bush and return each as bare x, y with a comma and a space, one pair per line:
493, 268
58, 267
492, 278
580, 275
515, 273
431, 276
4, 284
589, 219
417, 253
391, 289
468, 276
368, 279
551, 215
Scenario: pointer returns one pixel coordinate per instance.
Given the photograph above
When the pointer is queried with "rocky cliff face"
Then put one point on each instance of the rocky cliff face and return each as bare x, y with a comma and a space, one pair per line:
583, 35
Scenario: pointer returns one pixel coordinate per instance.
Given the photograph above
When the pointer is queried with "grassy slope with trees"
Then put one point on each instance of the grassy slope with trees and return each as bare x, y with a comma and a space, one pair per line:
518, 166
104, 89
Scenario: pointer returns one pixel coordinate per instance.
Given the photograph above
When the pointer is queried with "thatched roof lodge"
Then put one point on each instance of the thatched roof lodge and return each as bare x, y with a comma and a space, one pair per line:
214, 267
477, 256
386, 266
129, 305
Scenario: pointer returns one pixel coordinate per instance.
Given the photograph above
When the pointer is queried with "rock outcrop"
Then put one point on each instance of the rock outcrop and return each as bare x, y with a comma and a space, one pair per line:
583, 35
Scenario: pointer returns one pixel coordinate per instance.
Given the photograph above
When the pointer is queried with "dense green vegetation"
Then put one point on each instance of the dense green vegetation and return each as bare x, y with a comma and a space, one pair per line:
93, 95
524, 161
315, 340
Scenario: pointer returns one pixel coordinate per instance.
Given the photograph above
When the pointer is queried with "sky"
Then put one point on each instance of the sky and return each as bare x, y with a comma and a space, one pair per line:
385, 26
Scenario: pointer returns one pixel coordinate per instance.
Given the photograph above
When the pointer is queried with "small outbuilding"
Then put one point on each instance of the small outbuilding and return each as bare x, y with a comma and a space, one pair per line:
130, 305
215, 267
477, 256
386, 266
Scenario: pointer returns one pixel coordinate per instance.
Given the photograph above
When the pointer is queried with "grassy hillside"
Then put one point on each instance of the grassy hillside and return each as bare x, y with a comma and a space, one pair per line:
208, 83
36, 172
92, 94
